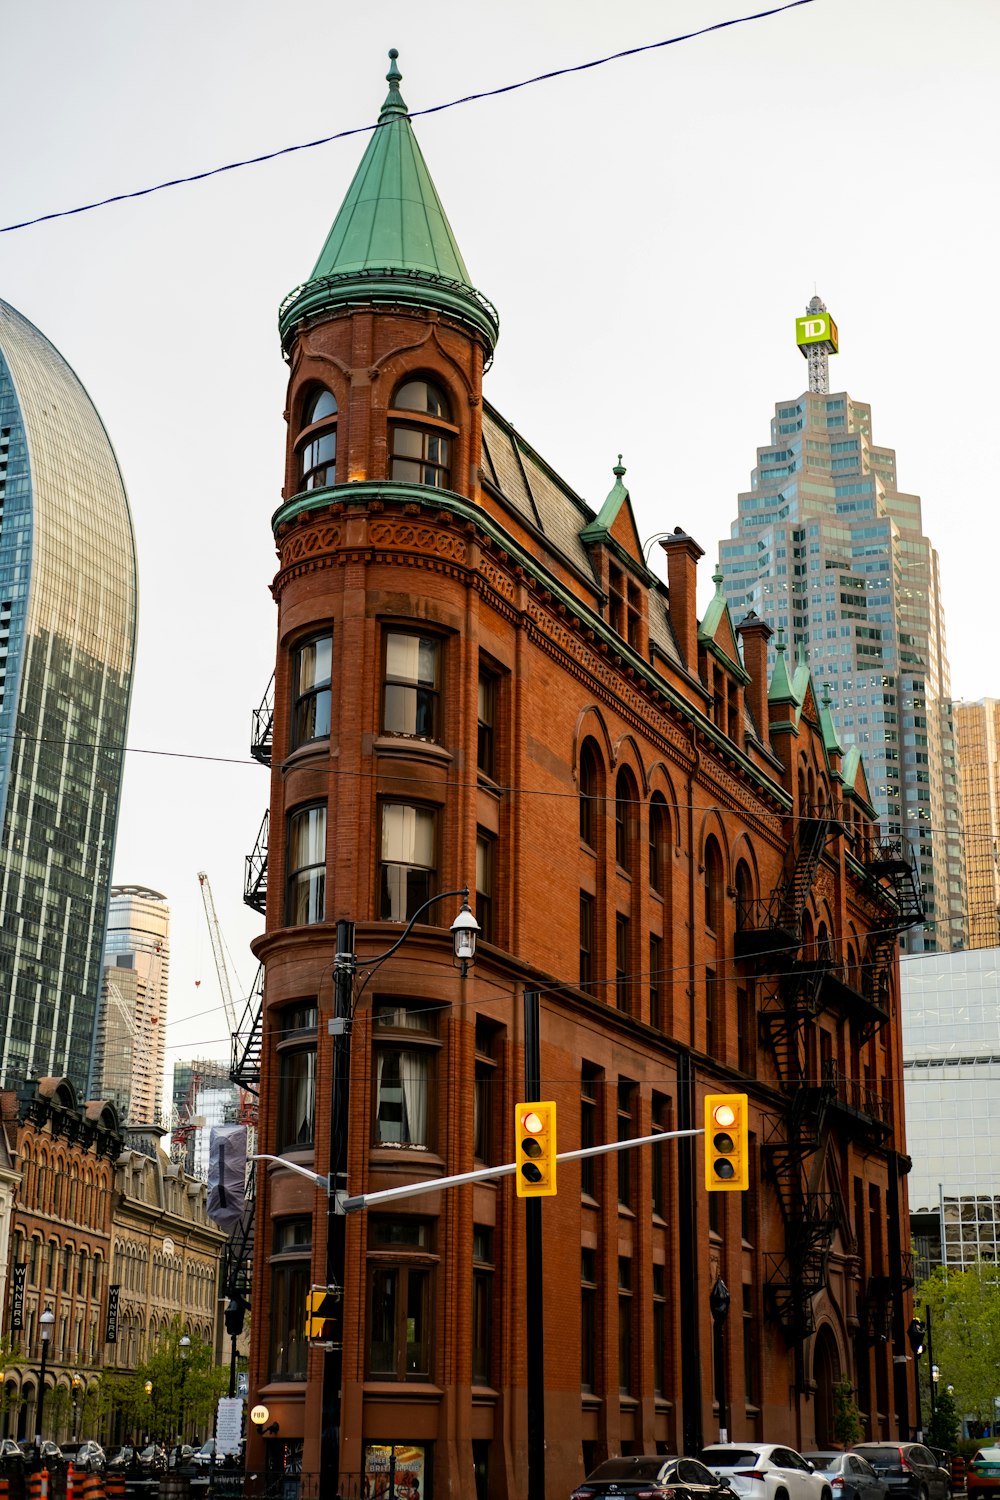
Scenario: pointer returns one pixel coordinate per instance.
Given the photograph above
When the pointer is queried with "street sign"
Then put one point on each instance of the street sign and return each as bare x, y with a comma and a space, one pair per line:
243, 1383
229, 1424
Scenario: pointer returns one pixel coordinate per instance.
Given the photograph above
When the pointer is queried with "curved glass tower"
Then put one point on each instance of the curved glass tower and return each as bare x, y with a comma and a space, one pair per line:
67, 642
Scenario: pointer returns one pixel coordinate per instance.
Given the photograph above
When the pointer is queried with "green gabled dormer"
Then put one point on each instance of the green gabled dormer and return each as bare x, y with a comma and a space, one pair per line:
612, 539
717, 635
391, 242
614, 524
782, 702
831, 743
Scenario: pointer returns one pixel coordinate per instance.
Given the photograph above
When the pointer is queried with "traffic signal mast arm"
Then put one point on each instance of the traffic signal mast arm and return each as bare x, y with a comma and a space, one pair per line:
349, 1205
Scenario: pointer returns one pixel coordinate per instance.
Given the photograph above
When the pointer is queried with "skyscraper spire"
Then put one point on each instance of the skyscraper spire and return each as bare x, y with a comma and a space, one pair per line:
816, 336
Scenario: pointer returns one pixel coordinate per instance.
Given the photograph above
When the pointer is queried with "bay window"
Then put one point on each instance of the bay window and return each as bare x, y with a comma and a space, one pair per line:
407, 867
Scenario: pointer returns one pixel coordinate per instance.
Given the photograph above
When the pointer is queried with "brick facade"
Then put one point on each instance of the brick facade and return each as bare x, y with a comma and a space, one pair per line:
678, 857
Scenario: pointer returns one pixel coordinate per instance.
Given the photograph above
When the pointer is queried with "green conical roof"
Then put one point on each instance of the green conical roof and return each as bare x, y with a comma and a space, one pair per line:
391, 240
780, 690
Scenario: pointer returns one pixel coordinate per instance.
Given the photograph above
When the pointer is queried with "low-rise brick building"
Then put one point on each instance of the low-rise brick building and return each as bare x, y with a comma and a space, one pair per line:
479, 681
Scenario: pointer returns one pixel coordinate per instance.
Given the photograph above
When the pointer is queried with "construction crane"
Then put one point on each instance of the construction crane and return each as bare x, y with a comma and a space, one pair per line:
218, 951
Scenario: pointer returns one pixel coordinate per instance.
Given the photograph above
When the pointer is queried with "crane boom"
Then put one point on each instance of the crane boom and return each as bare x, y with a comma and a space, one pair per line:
218, 952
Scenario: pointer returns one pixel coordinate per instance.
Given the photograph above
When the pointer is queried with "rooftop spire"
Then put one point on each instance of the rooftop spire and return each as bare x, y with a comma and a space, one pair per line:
816, 336
391, 240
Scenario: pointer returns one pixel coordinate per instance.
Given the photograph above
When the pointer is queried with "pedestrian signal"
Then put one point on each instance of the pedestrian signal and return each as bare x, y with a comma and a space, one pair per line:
727, 1146
321, 1309
535, 1149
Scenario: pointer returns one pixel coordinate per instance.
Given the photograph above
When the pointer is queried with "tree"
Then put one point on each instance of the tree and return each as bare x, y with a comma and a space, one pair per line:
965, 1309
944, 1427
846, 1416
186, 1389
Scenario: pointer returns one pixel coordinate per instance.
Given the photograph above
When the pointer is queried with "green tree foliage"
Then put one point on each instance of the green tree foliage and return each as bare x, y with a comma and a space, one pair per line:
193, 1386
965, 1316
944, 1426
846, 1416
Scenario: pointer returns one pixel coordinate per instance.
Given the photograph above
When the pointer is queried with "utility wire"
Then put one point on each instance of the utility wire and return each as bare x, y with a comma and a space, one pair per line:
433, 109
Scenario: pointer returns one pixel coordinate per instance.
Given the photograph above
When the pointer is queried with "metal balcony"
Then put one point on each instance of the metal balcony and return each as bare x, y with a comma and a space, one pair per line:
255, 882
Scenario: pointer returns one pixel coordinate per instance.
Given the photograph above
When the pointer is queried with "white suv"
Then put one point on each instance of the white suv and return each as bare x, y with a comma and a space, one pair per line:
766, 1471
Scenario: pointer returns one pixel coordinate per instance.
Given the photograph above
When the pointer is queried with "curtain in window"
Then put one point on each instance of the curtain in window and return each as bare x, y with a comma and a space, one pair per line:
414, 1078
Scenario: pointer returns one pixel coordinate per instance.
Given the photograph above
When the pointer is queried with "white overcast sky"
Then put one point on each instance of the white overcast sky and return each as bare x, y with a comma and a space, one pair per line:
648, 231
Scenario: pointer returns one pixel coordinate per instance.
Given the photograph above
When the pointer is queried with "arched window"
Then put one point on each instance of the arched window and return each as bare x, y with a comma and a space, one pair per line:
317, 442
589, 782
713, 886
744, 897
420, 451
626, 807
659, 843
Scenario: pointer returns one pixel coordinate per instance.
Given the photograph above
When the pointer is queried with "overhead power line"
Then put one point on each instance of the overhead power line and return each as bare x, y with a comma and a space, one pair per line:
432, 109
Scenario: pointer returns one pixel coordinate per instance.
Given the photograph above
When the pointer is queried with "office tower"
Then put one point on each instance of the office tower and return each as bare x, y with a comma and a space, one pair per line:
133, 1017
829, 550
67, 639
950, 1004
977, 730
480, 688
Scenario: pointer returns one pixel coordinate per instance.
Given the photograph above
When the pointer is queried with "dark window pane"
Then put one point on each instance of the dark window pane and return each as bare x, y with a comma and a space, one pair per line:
382, 1333
296, 1098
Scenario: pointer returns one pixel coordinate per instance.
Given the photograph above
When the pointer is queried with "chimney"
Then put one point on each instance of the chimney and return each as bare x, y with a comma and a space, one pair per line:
683, 553
754, 634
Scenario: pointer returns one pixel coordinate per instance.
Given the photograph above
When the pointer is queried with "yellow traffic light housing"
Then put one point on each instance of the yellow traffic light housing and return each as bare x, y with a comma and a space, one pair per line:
321, 1309
535, 1148
727, 1143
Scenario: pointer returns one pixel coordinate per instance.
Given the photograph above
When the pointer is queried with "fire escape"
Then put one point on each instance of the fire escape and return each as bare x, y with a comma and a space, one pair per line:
795, 986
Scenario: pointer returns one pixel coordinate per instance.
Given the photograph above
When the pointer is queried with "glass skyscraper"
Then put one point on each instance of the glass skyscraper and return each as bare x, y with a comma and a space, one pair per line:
130, 1032
67, 642
829, 550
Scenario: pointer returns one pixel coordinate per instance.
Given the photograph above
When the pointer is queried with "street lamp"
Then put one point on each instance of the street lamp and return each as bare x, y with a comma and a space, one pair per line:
464, 932
718, 1302
77, 1383
148, 1388
45, 1323
185, 1346
915, 1334
935, 1377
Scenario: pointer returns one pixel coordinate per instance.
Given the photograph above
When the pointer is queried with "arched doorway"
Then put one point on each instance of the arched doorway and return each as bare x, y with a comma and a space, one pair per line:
826, 1373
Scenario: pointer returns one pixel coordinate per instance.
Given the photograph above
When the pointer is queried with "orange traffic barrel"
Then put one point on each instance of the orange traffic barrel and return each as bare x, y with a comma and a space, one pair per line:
957, 1472
38, 1484
93, 1487
4, 1487
114, 1486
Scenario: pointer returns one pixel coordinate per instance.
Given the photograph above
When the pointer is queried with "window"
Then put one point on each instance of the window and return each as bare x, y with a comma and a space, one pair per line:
484, 1093
659, 1330
317, 453
659, 1163
622, 813
311, 678
482, 1303
400, 1283
406, 872
589, 792
586, 940
589, 1083
485, 877
412, 665
296, 1049
656, 981
622, 981
659, 845
626, 1130
290, 1279
405, 1049
306, 885
624, 1321
486, 746
711, 1012
588, 1320
713, 886
420, 453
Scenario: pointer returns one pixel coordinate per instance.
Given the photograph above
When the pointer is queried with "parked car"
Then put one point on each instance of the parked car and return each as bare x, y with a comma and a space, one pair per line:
52, 1455
651, 1475
849, 1475
123, 1460
90, 1458
908, 1469
11, 1456
766, 1471
983, 1475
207, 1455
153, 1459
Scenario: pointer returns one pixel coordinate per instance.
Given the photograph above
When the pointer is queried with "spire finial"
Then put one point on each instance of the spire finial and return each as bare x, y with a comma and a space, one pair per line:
779, 644
717, 578
618, 470
393, 100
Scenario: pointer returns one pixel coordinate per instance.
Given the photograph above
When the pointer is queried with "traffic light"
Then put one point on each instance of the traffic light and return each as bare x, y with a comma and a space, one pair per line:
727, 1146
535, 1149
321, 1309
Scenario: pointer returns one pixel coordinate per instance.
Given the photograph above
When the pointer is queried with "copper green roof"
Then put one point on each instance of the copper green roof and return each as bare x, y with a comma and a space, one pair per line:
391, 241
780, 690
600, 528
830, 739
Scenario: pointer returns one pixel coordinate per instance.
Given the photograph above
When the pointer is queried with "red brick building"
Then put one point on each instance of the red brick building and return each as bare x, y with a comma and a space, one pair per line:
480, 682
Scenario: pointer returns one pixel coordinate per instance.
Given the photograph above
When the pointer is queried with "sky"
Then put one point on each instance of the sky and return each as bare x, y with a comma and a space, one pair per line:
648, 231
